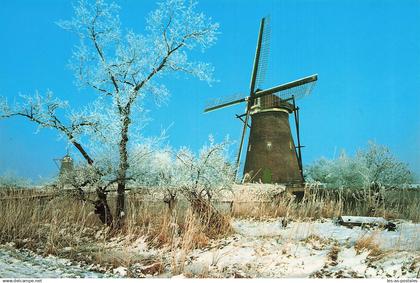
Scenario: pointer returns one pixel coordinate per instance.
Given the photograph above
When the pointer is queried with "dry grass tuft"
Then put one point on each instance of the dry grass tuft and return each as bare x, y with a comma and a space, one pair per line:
328, 203
317, 242
181, 246
368, 243
54, 223
333, 255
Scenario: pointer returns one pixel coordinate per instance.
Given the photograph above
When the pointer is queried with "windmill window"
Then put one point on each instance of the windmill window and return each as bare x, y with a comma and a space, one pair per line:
268, 145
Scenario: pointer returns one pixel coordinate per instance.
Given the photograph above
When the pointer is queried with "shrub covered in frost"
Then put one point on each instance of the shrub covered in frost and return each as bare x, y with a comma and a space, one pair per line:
374, 166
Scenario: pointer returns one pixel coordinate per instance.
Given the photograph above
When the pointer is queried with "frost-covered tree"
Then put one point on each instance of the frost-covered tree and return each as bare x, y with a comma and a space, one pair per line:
383, 168
156, 170
164, 174
122, 68
201, 175
10, 180
343, 172
373, 167
206, 174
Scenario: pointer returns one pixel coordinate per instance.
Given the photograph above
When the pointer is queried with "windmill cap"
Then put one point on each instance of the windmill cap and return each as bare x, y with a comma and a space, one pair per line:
272, 102
67, 158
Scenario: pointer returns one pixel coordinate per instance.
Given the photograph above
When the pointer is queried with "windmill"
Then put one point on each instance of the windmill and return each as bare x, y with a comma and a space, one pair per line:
271, 156
65, 164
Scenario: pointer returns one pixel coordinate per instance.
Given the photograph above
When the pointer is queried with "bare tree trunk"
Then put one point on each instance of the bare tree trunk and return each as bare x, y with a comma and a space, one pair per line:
101, 204
122, 171
102, 208
171, 201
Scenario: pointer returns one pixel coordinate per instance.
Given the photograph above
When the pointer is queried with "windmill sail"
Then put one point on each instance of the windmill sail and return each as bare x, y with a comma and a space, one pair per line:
296, 92
264, 53
254, 76
296, 89
218, 103
257, 58
238, 157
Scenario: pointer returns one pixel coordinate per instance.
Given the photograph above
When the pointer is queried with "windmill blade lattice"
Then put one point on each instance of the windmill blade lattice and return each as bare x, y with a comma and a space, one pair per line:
297, 89
297, 92
264, 53
217, 103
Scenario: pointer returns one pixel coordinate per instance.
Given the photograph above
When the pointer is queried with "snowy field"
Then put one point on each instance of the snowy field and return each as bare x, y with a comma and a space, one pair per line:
406, 237
309, 249
257, 249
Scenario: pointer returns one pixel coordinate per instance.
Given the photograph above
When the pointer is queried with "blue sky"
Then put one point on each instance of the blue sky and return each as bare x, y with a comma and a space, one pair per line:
367, 55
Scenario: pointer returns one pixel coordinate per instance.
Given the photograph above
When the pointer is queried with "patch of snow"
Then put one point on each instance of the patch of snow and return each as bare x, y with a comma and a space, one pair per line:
180, 276
140, 245
26, 264
121, 271
349, 259
259, 257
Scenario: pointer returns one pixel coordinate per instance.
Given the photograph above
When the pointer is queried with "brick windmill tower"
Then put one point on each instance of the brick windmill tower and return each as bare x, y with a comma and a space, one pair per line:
271, 156
66, 166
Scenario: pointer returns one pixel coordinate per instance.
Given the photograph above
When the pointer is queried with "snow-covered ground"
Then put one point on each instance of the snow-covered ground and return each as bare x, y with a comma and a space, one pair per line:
406, 237
308, 249
256, 249
25, 264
